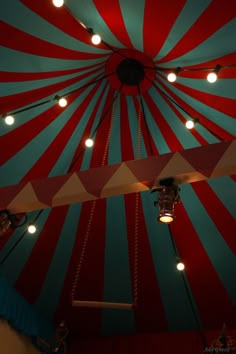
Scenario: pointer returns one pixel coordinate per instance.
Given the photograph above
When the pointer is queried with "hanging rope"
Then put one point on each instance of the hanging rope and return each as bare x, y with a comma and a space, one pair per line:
136, 226
91, 215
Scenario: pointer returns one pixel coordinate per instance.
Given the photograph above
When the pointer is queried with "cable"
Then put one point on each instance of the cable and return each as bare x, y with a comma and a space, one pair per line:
156, 68
188, 292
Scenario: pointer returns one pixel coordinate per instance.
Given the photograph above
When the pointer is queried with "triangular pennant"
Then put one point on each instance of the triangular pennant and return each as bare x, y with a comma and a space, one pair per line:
226, 164
180, 169
72, 191
26, 200
8, 193
204, 160
123, 181
95, 179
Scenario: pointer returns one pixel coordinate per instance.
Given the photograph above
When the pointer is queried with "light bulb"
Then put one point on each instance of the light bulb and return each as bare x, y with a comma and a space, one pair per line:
62, 102
32, 229
9, 120
89, 142
189, 124
180, 266
166, 219
212, 77
58, 3
96, 39
171, 77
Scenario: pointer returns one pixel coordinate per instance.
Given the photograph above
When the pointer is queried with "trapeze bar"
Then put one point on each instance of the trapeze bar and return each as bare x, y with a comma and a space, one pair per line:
102, 305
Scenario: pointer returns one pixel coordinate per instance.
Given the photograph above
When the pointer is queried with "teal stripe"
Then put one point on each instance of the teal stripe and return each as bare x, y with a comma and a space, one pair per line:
117, 283
221, 88
221, 256
184, 136
225, 189
133, 123
12, 88
173, 294
63, 163
29, 22
50, 293
38, 145
155, 132
13, 266
210, 48
188, 16
24, 62
224, 121
89, 15
114, 153
133, 16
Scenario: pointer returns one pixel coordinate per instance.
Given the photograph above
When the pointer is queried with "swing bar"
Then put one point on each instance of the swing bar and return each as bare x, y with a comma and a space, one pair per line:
102, 305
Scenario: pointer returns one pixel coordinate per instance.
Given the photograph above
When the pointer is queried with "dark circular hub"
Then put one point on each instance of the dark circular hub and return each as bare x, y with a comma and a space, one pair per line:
130, 72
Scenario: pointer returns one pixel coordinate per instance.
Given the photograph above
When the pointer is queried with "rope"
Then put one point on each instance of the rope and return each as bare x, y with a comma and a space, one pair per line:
91, 215
136, 226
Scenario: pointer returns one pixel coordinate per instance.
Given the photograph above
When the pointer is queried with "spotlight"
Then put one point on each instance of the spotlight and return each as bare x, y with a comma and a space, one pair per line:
62, 101
213, 76
180, 266
32, 229
58, 3
168, 196
171, 77
89, 142
9, 120
8, 221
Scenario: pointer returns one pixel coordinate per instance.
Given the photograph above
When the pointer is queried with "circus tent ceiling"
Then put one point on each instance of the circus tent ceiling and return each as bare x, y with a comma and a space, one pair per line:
113, 250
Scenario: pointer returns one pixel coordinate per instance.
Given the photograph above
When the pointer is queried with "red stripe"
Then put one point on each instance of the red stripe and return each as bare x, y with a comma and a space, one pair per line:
221, 217
146, 133
16, 76
214, 305
225, 60
127, 151
19, 100
166, 130
16, 39
216, 129
112, 15
213, 18
222, 104
156, 26
31, 279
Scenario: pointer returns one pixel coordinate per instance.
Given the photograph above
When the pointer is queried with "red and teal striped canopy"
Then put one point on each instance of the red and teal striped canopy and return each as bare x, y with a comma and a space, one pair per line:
114, 250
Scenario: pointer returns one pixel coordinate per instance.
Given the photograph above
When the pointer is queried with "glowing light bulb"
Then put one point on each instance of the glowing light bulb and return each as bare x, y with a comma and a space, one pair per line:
171, 77
166, 219
58, 3
62, 102
89, 142
9, 120
180, 266
189, 124
96, 39
212, 77
32, 229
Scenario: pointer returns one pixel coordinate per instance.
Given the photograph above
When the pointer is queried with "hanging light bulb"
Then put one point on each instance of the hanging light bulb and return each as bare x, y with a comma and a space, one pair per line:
32, 229
168, 196
96, 39
9, 120
89, 142
180, 266
213, 76
189, 124
172, 76
62, 101
58, 3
